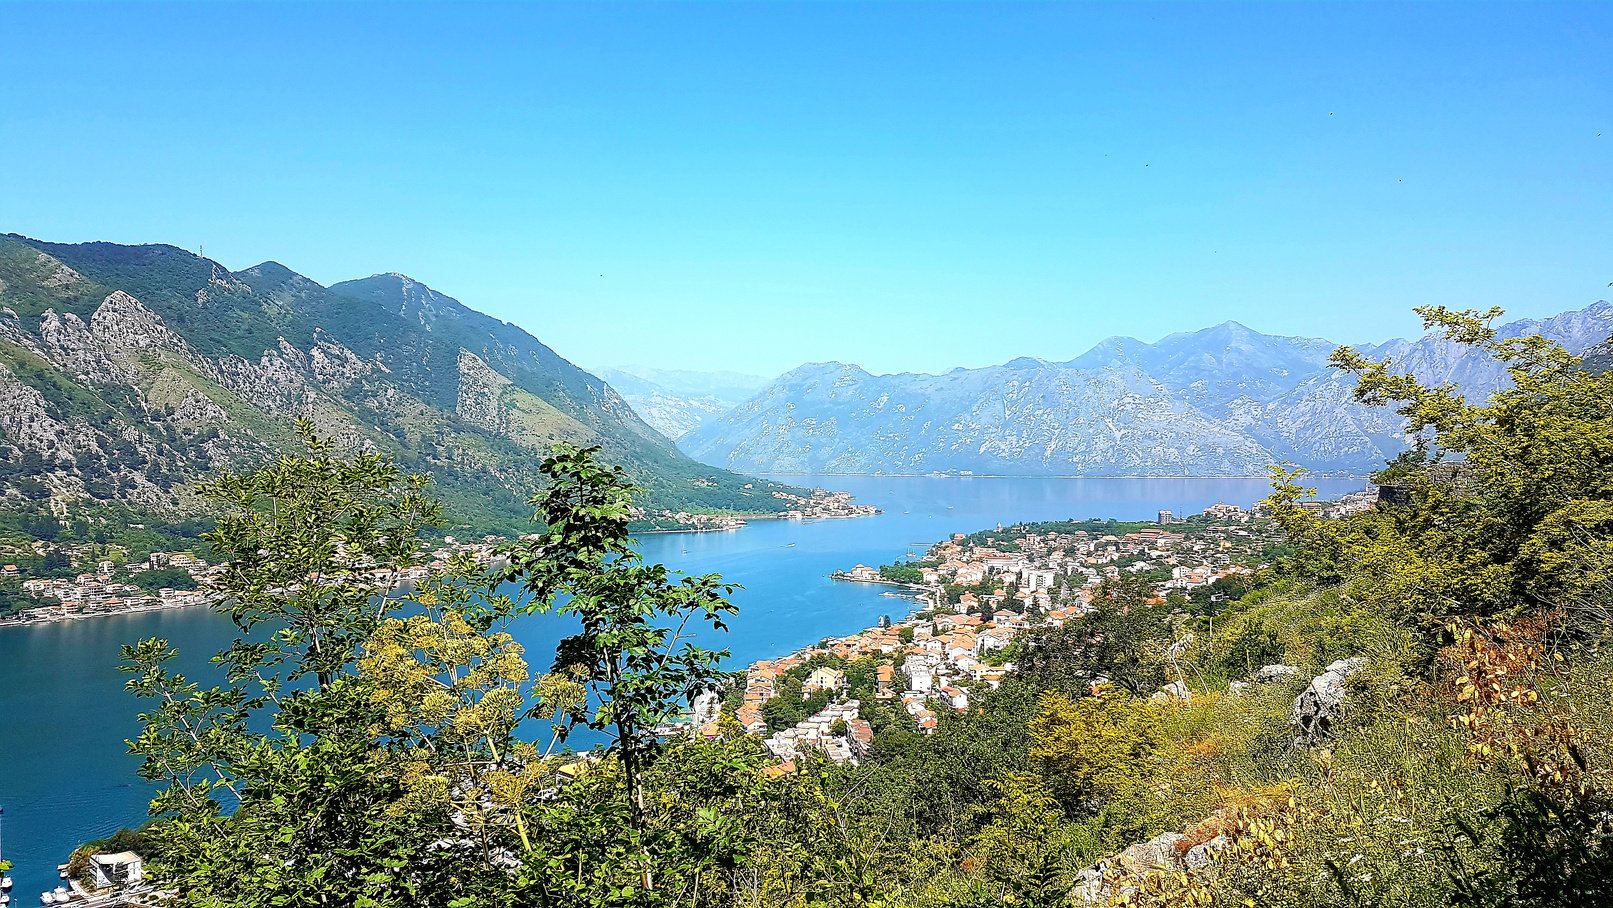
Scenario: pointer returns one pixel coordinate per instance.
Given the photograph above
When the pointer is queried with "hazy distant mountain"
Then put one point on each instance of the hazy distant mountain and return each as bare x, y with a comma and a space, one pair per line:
1217, 366
1221, 401
1026, 416
126, 372
677, 401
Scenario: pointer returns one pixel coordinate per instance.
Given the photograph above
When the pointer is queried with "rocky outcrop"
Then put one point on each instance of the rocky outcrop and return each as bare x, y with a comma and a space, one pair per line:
27, 423
1158, 853
274, 384
1175, 690
1169, 852
480, 392
107, 349
1199, 856
121, 326
58, 275
1278, 672
125, 355
1316, 709
334, 365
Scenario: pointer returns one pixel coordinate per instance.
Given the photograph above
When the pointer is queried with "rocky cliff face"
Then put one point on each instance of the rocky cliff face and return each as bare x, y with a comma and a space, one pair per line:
126, 373
1225, 401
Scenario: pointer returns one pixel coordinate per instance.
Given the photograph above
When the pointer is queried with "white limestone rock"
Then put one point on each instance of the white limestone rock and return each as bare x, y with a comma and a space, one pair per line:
1316, 709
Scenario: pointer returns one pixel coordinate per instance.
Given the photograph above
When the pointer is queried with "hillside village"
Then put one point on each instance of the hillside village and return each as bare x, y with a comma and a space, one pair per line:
817, 504
44, 581
82, 580
977, 594
112, 586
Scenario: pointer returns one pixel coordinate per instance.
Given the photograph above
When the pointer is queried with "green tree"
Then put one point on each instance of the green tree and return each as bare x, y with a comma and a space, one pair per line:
583, 563
1123, 639
272, 790
1507, 504
316, 547
1025, 853
1093, 748
901, 573
171, 578
366, 748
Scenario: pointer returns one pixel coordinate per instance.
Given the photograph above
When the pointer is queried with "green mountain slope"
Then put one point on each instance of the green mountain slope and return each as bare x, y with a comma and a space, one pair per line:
128, 371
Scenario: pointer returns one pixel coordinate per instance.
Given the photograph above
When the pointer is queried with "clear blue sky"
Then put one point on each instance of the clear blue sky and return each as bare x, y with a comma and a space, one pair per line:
903, 186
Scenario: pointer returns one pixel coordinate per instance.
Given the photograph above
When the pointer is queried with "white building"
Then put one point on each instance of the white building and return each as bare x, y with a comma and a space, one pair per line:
121, 869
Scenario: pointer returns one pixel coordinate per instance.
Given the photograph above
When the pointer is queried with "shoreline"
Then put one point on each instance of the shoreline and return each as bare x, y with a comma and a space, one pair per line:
63, 618
880, 581
745, 520
1217, 478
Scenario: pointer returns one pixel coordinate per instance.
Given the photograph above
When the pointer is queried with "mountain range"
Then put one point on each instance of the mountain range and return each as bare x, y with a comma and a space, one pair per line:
675, 401
127, 372
1222, 401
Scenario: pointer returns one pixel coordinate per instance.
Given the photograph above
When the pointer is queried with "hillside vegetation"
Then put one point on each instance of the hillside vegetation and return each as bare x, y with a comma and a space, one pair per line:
129, 372
1457, 753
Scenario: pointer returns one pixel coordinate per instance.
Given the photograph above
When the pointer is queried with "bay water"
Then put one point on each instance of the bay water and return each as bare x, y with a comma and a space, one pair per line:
66, 775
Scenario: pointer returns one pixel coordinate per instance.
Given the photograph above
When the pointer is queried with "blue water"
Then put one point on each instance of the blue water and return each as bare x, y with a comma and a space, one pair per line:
66, 776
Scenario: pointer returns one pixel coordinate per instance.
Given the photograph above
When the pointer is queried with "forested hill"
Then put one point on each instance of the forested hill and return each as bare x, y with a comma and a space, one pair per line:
126, 372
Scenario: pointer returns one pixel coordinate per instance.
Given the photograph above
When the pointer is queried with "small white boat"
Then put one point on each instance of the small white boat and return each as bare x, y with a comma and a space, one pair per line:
61, 894
47, 898
5, 883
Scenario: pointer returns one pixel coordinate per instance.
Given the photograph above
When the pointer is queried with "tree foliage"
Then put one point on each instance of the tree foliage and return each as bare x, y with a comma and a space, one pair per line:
1508, 503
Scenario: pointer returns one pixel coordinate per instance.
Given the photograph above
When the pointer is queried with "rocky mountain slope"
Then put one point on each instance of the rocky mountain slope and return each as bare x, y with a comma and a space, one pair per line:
1224, 401
676, 402
126, 372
